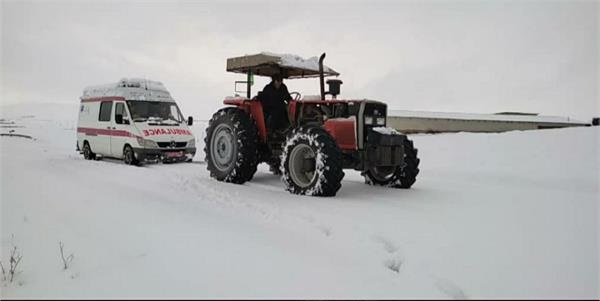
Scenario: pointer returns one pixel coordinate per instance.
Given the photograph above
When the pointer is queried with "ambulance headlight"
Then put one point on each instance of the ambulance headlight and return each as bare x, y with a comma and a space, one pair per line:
369, 120
380, 121
150, 143
147, 143
191, 143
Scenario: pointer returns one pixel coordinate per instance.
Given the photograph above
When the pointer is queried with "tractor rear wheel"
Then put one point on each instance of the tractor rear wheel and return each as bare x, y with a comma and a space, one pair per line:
231, 146
312, 162
397, 177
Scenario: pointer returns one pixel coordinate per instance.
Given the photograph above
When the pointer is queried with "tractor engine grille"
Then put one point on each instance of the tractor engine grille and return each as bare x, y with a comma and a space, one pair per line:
374, 111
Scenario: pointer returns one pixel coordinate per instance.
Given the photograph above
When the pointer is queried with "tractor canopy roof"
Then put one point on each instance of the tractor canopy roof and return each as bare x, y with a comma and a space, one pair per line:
268, 64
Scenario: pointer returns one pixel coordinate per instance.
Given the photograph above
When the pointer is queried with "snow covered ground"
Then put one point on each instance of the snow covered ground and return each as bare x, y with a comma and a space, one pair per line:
511, 215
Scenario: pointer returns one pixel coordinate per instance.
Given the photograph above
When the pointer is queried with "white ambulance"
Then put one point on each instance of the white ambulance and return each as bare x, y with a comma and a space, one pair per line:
136, 120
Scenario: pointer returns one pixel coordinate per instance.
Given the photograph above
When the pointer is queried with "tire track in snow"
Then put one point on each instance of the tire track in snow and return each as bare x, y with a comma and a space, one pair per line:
241, 198
216, 193
201, 187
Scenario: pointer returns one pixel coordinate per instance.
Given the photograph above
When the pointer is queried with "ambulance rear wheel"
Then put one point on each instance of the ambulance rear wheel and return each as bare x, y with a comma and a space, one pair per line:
87, 152
129, 156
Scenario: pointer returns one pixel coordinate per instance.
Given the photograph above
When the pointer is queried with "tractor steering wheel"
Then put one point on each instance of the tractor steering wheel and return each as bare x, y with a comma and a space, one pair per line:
297, 97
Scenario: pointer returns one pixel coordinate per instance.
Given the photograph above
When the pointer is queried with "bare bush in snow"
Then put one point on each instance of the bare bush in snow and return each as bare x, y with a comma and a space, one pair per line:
3, 271
14, 260
66, 260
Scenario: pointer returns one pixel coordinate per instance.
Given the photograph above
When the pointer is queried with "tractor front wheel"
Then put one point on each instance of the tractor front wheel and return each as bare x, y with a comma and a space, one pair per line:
397, 177
312, 163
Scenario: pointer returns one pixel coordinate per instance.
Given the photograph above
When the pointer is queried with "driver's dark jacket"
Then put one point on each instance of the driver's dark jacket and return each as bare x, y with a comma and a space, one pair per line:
274, 105
273, 99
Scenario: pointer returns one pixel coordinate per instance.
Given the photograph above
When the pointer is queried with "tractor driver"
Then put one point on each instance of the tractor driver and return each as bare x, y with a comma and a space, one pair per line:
274, 99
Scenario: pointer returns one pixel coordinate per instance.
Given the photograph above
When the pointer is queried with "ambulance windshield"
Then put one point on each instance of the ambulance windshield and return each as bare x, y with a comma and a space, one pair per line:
155, 112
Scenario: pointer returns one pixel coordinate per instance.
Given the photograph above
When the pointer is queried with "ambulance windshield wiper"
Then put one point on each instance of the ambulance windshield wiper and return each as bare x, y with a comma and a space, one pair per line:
141, 119
169, 122
173, 119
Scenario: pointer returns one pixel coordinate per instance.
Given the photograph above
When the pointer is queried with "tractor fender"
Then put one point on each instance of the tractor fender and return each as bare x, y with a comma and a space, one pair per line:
254, 108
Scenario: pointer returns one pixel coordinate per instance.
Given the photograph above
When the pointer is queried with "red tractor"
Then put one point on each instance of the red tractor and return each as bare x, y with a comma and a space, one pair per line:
325, 135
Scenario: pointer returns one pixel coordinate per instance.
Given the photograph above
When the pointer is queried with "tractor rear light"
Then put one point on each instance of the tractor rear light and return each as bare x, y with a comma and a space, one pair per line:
380, 121
369, 120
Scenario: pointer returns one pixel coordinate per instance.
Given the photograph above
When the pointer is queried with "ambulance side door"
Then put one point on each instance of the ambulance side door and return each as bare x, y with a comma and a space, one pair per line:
122, 129
102, 144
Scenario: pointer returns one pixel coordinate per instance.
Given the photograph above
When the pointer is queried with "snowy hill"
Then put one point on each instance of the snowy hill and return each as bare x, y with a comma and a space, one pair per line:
511, 215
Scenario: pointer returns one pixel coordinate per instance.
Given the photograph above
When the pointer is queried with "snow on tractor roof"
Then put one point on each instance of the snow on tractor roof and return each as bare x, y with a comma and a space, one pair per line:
268, 64
130, 89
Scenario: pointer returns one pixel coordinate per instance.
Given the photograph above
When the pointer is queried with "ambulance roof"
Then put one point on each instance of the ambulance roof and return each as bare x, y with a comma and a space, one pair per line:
130, 89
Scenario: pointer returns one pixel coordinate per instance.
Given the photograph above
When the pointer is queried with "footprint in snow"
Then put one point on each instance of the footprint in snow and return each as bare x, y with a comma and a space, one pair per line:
450, 288
325, 230
387, 244
394, 264
396, 259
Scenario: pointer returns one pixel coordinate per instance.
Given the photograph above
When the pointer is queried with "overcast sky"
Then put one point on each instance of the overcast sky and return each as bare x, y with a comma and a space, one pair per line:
467, 56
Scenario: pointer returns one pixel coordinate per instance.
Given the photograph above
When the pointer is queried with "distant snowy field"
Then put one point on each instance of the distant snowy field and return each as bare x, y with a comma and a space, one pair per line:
511, 215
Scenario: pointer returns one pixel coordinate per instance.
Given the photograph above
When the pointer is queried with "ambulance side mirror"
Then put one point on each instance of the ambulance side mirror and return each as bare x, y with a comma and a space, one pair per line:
190, 120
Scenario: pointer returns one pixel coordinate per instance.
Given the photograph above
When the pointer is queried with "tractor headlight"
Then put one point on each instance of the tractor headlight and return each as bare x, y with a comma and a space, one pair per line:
191, 143
380, 121
147, 143
369, 120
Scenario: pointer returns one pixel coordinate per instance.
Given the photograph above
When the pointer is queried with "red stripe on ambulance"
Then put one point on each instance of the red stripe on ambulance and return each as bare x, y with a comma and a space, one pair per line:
105, 132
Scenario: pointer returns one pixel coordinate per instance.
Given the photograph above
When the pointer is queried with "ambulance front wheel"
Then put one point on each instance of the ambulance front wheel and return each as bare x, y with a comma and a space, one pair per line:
87, 151
129, 156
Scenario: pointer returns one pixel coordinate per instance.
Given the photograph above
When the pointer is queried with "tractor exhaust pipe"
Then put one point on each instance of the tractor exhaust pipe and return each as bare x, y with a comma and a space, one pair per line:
321, 76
